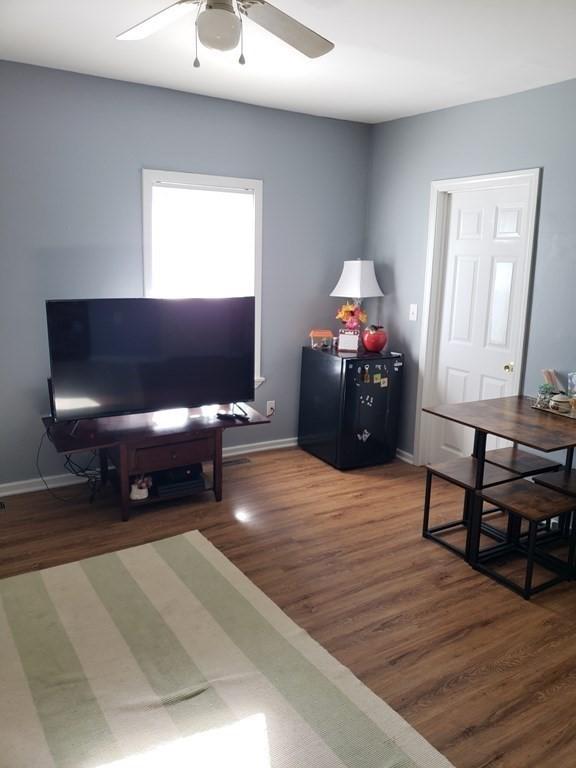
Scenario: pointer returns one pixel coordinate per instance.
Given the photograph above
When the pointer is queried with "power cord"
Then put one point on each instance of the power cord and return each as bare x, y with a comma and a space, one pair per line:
91, 475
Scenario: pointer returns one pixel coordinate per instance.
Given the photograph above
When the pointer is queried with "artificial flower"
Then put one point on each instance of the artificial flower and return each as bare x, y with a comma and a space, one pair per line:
351, 315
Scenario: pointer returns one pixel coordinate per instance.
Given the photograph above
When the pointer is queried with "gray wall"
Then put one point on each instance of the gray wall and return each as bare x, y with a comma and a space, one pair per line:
71, 150
532, 129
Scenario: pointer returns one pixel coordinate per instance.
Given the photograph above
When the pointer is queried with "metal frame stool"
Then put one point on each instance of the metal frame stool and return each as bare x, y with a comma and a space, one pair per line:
460, 472
535, 504
524, 464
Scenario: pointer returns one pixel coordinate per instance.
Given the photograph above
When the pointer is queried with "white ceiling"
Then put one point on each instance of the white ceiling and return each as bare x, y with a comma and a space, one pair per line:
392, 57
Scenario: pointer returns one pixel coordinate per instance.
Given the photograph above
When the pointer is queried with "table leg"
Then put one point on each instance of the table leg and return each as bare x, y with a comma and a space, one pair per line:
561, 521
217, 465
103, 456
572, 547
513, 530
468, 498
473, 538
124, 483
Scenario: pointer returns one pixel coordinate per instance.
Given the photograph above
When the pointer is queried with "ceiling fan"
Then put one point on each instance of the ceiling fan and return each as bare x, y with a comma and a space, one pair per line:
219, 25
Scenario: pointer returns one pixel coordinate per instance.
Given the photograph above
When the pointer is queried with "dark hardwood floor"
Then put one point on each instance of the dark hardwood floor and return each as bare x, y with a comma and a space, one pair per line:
486, 677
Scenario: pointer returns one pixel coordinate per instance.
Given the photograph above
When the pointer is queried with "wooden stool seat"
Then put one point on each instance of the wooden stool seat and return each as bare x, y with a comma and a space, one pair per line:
564, 481
529, 501
524, 500
521, 462
462, 472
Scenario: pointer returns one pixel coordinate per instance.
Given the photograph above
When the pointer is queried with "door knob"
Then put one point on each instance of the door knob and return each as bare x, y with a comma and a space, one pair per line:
509, 367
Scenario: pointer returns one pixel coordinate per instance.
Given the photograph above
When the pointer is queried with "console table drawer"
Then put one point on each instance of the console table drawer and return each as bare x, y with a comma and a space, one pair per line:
175, 455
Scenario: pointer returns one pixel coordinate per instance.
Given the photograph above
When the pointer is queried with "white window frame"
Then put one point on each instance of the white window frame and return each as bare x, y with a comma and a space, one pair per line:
152, 178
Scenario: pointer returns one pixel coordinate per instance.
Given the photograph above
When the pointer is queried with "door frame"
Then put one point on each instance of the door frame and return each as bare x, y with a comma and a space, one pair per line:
436, 252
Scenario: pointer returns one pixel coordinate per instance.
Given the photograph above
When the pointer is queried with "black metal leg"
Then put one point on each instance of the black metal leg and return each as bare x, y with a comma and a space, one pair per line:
572, 546
476, 438
103, 457
530, 559
514, 529
567, 467
468, 501
473, 538
479, 454
474, 529
426, 521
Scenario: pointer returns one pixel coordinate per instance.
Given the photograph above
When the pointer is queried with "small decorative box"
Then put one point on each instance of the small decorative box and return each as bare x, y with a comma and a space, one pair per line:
321, 339
348, 341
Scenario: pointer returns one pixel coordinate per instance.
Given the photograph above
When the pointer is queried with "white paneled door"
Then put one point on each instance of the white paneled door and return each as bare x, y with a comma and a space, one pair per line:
480, 319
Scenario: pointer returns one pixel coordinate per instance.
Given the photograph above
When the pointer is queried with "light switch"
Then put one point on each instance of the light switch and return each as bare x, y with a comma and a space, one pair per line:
413, 314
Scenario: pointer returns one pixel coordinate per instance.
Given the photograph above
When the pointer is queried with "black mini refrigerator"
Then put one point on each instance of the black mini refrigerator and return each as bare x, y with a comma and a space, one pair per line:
349, 406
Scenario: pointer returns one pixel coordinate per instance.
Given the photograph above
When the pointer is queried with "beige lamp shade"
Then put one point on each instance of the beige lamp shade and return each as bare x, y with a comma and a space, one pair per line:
357, 281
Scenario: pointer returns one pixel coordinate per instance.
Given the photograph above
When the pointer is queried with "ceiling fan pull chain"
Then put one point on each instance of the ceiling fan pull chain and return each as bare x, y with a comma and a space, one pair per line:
197, 60
241, 60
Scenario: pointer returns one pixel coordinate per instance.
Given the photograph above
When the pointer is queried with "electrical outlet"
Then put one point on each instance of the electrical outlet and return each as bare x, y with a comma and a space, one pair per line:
413, 313
270, 407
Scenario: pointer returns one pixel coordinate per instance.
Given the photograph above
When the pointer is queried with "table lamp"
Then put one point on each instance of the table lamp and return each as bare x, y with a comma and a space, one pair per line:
357, 281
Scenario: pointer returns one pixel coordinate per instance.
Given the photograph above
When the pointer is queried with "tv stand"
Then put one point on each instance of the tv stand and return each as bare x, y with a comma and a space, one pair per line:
138, 445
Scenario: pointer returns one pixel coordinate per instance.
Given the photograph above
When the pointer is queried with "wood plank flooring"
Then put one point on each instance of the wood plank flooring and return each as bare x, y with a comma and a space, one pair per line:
487, 678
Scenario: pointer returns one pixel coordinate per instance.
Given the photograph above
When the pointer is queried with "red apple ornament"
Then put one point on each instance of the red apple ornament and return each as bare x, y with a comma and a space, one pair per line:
374, 338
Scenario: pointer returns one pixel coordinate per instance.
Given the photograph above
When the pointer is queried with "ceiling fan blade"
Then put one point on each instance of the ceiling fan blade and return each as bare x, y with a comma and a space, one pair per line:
285, 27
158, 20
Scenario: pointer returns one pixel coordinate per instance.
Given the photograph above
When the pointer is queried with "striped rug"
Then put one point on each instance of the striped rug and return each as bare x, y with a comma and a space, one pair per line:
166, 655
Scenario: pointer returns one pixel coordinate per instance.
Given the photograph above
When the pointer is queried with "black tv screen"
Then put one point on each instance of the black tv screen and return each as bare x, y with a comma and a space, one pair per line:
119, 356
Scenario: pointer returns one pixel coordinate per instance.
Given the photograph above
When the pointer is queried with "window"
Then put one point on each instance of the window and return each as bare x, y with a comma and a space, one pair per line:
203, 239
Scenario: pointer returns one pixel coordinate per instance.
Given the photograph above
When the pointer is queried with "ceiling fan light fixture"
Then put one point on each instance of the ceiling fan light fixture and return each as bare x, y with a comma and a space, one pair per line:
219, 28
219, 25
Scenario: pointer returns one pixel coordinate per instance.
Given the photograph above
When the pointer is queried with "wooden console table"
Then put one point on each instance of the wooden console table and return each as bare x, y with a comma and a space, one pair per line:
138, 444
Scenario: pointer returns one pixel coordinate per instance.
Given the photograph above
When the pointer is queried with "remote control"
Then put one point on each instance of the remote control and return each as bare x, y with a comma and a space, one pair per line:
226, 416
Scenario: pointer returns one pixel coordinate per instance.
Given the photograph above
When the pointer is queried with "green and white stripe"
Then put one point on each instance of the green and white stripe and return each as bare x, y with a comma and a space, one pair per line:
162, 644
23, 742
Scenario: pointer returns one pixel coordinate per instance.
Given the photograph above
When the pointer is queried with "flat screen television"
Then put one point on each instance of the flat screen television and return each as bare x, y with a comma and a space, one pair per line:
119, 356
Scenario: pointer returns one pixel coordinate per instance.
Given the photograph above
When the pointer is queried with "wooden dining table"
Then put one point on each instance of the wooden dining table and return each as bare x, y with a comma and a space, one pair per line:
512, 418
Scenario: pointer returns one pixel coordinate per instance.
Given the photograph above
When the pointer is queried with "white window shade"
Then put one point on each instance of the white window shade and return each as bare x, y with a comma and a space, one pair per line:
202, 239
203, 243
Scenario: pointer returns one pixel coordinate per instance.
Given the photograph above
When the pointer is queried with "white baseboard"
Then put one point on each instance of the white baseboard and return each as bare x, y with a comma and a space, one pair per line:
407, 458
290, 442
267, 445
35, 484
58, 481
